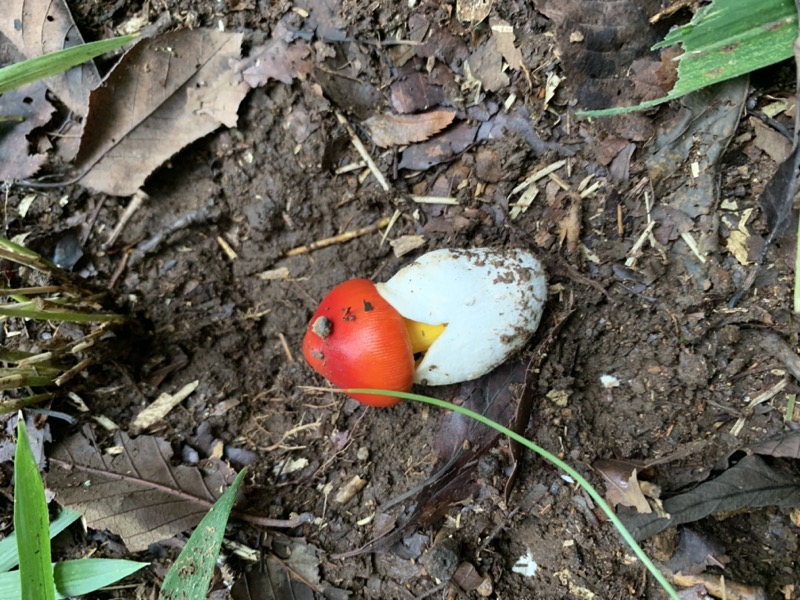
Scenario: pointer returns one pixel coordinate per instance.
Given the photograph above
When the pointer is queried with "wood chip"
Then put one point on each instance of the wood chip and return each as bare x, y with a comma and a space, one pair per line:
161, 407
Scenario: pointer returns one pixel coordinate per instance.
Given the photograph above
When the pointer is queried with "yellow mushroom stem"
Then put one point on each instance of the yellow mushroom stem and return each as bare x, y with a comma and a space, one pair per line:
422, 335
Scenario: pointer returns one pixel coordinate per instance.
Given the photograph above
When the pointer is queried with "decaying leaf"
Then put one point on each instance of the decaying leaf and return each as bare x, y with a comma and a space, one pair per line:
26, 109
292, 571
695, 552
398, 130
37, 28
774, 143
277, 60
473, 11
786, 446
486, 65
348, 92
144, 113
137, 493
622, 484
751, 483
442, 148
606, 46
503, 33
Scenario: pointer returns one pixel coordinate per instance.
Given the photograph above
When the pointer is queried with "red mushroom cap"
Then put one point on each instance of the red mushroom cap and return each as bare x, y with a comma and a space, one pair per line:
358, 340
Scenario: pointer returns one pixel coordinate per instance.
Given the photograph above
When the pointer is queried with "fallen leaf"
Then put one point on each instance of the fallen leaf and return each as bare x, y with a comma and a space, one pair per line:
442, 148
646, 73
324, 19
751, 483
503, 33
695, 552
292, 571
486, 65
775, 144
398, 130
348, 92
17, 161
786, 446
622, 484
137, 494
473, 11
37, 28
277, 60
144, 112
414, 93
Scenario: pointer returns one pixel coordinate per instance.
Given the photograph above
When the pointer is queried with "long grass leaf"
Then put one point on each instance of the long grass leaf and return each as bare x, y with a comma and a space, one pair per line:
75, 577
31, 523
34, 69
725, 39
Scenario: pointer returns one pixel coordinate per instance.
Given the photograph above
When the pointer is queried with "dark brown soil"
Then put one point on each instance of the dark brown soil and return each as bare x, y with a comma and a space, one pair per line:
686, 365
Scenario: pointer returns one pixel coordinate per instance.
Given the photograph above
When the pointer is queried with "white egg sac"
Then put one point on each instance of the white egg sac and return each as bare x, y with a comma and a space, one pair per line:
490, 300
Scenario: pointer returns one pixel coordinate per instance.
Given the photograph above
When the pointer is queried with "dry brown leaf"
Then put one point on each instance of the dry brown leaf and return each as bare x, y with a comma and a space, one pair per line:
786, 445
473, 11
442, 148
622, 484
37, 28
398, 130
774, 143
569, 228
277, 60
137, 494
486, 65
28, 103
165, 93
503, 33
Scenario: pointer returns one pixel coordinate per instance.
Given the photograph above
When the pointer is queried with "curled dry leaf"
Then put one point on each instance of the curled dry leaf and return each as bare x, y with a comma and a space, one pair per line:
622, 484
398, 130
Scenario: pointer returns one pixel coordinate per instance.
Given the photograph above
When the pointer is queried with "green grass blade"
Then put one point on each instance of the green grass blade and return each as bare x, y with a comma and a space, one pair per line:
30, 523
56, 315
9, 557
725, 39
75, 577
15, 404
87, 575
552, 459
34, 69
189, 576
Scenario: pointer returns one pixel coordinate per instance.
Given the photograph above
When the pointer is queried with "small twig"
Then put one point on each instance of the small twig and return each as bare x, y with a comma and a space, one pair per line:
434, 200
200, 215
363, 152
633, 255
338, 239
135, 204
286, 349
760, 399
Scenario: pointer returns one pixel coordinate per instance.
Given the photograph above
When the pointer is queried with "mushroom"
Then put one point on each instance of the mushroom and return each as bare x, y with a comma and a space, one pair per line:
462, 312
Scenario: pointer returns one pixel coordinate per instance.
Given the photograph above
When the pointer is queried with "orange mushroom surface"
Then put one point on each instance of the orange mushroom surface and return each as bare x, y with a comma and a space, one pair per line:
358, 340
